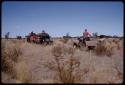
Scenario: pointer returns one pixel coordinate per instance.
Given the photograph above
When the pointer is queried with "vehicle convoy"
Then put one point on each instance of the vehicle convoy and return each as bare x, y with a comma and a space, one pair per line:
40, 38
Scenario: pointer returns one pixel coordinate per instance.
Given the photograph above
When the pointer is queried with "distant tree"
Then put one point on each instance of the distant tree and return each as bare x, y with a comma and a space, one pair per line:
95, 34
19, 37
67, 34
115, 36
7, 35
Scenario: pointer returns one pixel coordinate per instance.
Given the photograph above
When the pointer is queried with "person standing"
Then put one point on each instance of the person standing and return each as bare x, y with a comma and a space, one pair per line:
86, 36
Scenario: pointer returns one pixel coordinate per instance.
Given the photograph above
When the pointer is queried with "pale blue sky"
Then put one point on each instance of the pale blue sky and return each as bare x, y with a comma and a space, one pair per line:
58, 18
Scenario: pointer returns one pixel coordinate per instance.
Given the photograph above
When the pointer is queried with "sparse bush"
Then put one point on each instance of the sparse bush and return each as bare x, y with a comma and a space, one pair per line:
57, 51
119, 73
104, 49
15, 53
11, 65
3, 44
14, 41
118, 45
65, 40
5, 61
9, 58
100, 49
109, 51
115, 41
23, 74
65, 69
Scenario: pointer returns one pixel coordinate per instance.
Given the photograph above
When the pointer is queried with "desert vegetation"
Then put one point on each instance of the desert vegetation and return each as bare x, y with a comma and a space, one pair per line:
24, 62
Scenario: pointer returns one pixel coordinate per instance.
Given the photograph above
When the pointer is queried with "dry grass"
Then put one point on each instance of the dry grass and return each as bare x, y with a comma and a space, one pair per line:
7, 63
64, 68
9, 58
15, 53
61, 63
23, 74
116, 41
119, 72
10, 64
104, 48
7, 79
65, 40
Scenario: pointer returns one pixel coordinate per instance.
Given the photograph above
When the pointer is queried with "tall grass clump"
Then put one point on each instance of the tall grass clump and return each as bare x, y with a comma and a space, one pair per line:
65, 40
6, 63
64, 68
15, 53
119, 72
23, 73
104, 48
11, 65
9, 57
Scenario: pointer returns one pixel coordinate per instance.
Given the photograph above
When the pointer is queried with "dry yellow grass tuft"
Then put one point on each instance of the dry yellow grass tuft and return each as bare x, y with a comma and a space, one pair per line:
7, 63
9, 57
23, 74
15, 53
65, 40
64, 67
104, 48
